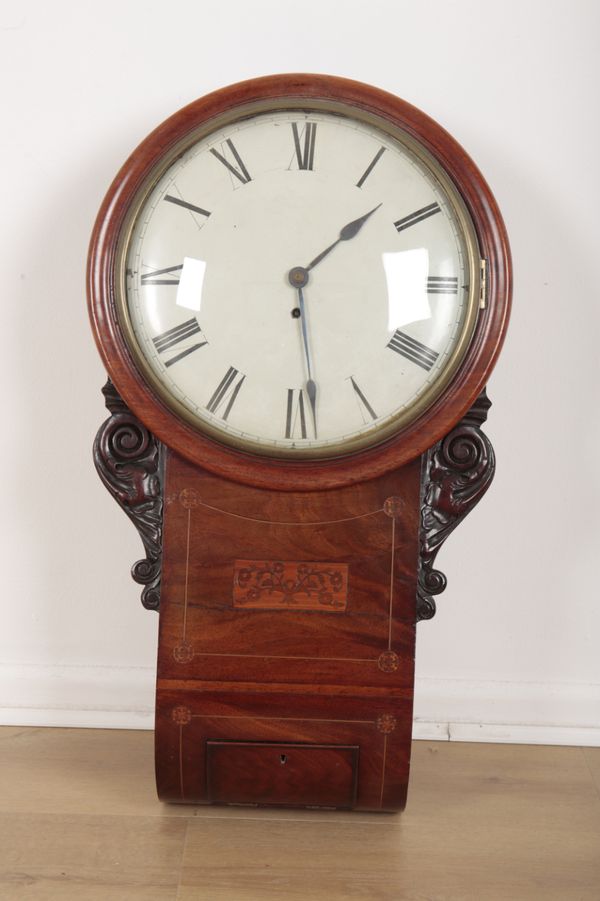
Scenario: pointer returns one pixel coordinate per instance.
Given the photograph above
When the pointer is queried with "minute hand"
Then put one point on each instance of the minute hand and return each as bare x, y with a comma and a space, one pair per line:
311, 385
348, 231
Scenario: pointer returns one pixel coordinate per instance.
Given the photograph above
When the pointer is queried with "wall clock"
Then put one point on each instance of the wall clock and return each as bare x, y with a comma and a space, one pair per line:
299, 286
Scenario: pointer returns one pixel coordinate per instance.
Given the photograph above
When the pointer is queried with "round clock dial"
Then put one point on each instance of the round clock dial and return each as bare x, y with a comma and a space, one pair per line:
298, 281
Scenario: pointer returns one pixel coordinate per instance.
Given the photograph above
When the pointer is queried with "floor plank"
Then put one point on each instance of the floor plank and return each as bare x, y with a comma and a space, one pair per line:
79, 819
90, 858
504, 825
592, 758
94, 771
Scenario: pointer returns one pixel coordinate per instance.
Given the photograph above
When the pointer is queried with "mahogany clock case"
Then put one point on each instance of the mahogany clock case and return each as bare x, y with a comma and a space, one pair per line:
300, 91
289, 590
282, 680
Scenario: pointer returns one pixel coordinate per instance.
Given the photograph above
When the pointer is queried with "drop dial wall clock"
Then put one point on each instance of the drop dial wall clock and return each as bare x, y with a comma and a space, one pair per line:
299, 286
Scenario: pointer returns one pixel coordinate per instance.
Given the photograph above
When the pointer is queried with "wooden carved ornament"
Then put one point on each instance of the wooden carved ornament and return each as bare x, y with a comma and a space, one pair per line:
457, 472
128, 460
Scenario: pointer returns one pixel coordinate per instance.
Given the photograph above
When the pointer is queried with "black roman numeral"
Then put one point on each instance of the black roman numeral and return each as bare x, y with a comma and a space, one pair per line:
238, 170
305, 155
418, 216
188, 206
440, 284
363, 403
153, 277
370, 167
176, 335
295, 414
413, 350
226, 392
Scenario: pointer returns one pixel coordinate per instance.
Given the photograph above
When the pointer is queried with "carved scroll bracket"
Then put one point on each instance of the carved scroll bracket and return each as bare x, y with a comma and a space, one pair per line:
457, 472
129, 462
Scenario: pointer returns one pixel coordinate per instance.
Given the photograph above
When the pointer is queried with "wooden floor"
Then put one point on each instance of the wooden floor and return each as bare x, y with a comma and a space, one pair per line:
79, 820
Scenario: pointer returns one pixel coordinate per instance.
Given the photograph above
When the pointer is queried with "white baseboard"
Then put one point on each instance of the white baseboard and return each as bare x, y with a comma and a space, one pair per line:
549, 713
110, 697
96, 697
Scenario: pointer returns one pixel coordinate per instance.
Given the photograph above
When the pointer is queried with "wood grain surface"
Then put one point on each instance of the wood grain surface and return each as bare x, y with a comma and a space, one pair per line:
79, 819
292, 673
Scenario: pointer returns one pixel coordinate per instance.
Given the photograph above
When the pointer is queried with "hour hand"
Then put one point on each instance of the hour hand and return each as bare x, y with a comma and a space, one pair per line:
348, 231
353, 228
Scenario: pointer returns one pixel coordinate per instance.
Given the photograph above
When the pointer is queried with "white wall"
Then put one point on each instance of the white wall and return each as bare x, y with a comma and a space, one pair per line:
513, 651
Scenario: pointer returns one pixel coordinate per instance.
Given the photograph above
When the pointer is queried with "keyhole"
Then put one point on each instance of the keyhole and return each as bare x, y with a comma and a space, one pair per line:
282, 759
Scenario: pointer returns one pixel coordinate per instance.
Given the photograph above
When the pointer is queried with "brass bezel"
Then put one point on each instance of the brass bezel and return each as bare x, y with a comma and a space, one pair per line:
245, 111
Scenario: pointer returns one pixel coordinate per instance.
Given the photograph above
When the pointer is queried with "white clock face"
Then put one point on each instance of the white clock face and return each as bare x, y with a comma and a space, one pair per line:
300, 283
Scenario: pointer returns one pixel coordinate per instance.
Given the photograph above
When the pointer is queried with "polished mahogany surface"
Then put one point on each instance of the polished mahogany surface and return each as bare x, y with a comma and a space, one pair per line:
287, 618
